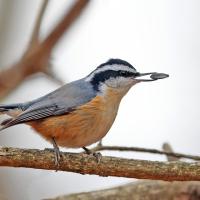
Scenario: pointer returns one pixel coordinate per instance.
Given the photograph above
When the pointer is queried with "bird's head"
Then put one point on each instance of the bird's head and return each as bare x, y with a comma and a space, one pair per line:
120, 75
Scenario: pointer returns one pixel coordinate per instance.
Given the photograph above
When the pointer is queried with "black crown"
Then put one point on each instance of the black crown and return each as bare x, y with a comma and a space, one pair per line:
116, 61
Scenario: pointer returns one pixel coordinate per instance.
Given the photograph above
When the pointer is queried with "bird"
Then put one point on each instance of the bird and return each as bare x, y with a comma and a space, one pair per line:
81, 112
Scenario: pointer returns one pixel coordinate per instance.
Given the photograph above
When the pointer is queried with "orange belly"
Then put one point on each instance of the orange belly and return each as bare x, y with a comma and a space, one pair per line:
82, 127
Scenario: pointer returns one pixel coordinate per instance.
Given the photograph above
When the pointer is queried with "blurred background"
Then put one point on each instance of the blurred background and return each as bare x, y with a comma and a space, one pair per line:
156, 35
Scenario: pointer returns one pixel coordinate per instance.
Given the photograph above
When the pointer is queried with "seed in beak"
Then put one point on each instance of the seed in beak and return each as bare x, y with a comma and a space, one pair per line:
156, 76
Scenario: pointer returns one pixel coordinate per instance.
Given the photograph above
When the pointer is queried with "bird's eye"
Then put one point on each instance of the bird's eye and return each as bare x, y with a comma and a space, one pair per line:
124, 73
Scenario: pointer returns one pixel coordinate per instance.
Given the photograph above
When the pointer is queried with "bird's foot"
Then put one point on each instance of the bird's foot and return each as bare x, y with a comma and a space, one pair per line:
97, 155
57, 154
58, 157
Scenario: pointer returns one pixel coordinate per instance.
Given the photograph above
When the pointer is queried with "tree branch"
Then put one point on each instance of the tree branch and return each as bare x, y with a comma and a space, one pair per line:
146, 190
36, 59
64, 24
109, 166
34, 41
101, 147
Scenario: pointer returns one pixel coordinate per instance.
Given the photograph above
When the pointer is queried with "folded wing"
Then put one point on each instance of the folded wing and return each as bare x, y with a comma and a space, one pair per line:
62, 101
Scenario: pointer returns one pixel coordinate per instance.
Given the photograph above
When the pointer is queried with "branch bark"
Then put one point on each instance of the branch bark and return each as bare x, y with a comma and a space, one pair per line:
109, 166
145, 190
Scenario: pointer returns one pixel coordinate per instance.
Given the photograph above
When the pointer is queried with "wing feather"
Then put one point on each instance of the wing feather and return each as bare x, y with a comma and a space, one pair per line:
59, 102
34, 114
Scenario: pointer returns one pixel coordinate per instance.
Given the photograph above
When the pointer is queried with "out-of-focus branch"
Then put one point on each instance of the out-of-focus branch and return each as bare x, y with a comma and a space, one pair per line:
37, 56
145, 190
64, 24
34, 41
108, 166
167, 148
101, 147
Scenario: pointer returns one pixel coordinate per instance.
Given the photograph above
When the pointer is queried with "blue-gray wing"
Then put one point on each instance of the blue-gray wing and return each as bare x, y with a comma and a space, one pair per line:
59, 102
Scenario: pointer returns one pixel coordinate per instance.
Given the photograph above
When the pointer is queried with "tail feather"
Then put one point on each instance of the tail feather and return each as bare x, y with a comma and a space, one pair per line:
3, 127
2, 109
6, 121
5, 109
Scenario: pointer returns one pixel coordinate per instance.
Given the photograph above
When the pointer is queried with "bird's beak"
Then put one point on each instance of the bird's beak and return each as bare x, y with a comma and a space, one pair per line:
151, 76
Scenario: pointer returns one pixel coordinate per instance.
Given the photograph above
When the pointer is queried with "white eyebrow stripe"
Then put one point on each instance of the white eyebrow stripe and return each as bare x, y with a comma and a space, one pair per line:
109, 67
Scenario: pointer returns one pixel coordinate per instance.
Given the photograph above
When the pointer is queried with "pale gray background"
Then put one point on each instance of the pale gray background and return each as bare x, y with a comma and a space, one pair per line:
156, 35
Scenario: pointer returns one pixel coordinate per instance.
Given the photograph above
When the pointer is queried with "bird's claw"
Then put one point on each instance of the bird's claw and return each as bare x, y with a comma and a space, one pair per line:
58, 157
97, 155
57, 154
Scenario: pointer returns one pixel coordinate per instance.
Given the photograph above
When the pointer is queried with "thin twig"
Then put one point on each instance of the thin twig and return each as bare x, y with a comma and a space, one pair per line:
108, 166
145, 150
167, 148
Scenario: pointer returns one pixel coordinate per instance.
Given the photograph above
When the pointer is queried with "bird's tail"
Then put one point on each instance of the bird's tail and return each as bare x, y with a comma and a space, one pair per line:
4, 109
5, 123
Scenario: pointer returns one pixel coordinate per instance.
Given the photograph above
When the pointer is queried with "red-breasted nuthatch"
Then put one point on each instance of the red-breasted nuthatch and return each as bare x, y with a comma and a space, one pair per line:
79, 113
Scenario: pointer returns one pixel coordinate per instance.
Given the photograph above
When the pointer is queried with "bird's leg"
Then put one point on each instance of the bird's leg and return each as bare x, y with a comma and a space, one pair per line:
56, 152
87, 151
97, 155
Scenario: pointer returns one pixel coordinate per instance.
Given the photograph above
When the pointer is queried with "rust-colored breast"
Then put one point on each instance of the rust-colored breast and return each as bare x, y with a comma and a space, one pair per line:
84, 126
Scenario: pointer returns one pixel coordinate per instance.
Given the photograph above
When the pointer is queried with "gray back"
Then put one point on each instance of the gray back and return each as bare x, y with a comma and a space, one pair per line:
61, 101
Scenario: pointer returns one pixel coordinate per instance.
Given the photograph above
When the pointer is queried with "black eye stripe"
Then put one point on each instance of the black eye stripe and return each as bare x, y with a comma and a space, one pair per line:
105, 75
126, 73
